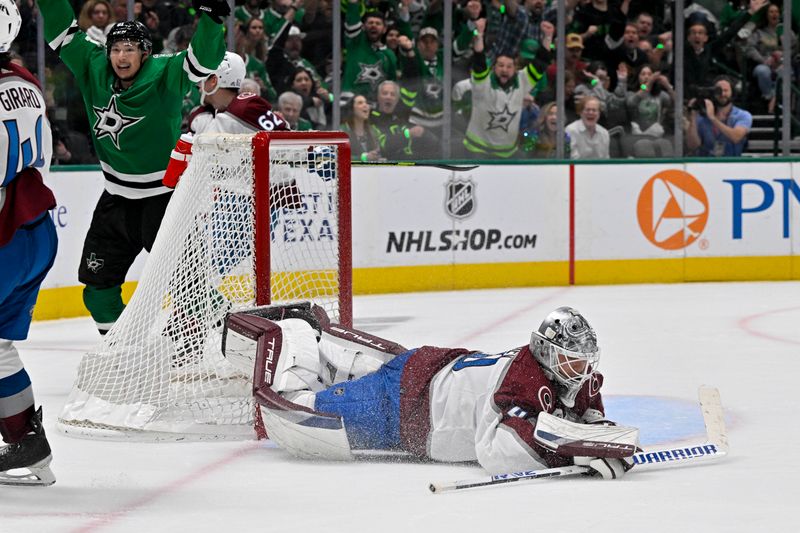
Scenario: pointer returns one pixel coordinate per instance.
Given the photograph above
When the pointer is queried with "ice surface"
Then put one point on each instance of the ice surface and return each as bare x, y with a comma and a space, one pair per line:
659, 342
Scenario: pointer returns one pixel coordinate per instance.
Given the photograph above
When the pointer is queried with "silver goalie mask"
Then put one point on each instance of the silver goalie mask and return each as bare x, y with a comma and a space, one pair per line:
566, 345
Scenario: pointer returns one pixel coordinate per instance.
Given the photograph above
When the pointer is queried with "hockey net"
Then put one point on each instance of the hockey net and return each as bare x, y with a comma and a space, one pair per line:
255, 219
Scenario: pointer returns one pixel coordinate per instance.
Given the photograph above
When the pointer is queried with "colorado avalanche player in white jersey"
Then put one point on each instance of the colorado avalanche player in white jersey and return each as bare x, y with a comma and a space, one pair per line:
443, 404
223, 110
227, 111
28, 245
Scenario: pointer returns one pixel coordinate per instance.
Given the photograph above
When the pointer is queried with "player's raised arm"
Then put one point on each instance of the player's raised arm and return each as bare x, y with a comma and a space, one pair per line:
207, 47
63, 35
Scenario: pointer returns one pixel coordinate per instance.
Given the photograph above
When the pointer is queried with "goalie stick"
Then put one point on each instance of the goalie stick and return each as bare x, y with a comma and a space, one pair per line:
716, 447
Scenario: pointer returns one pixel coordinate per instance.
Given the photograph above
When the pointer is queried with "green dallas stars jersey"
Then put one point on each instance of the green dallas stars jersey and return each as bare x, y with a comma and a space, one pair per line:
135, 130
367, 64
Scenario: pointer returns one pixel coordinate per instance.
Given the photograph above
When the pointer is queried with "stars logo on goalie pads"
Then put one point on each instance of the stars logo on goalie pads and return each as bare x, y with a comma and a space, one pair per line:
111, 123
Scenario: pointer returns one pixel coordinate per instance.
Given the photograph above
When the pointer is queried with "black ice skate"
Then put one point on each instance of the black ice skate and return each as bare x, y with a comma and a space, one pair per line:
188, 350
27, 462
189, 330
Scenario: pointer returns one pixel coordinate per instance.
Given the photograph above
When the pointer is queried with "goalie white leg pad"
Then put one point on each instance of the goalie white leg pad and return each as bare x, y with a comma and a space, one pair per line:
299, 364
240, 347
341, 363
287, 349
304, 398
347, 353
303, 432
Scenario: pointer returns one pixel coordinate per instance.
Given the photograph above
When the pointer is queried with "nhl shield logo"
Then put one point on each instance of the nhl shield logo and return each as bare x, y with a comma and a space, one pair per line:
459, 199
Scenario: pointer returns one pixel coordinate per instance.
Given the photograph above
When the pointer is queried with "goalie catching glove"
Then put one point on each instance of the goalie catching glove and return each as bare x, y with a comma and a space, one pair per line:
215, 9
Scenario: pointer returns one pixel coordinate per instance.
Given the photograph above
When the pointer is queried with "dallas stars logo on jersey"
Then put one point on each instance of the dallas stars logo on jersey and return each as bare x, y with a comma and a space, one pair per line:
501, 119
110, 122
371, 73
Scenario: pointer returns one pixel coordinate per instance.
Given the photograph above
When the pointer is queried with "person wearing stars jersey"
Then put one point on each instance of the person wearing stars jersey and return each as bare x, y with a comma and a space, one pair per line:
369, 61
498, 92
134, 102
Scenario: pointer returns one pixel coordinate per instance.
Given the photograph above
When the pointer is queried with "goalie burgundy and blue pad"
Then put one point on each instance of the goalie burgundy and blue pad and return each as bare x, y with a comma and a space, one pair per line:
215, 9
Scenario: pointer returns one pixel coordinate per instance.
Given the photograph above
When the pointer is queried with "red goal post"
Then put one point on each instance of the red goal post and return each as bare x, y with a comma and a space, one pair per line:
261, 164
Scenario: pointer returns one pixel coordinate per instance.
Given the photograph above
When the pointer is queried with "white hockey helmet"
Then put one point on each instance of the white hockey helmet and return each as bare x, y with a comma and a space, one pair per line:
566, 345
231, 71
10, 22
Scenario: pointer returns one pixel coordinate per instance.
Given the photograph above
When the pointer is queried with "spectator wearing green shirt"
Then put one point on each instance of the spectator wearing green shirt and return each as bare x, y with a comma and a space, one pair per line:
250, 9
369, 61
282, 12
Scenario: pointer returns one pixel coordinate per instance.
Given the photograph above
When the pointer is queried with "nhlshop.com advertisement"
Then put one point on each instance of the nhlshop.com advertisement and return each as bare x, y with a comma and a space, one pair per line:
427, 228
433, 216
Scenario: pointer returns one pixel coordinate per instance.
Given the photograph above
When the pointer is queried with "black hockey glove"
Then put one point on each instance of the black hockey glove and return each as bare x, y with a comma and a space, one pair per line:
216, 9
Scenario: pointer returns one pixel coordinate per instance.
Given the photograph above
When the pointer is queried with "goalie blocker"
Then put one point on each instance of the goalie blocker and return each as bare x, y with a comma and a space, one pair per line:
606, 448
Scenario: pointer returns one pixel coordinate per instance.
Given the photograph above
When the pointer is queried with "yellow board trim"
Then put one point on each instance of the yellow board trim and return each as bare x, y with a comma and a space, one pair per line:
66, 302
618, 271
458, 277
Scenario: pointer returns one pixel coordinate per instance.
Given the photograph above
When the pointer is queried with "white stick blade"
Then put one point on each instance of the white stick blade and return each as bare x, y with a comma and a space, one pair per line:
714, 418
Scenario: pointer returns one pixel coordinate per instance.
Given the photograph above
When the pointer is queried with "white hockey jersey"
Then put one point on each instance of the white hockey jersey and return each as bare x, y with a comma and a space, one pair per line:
26, 147
247, 113
26, 140
457, 405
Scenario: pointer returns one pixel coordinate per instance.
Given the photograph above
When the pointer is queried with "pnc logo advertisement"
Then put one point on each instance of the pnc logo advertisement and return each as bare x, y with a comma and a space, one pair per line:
672, 209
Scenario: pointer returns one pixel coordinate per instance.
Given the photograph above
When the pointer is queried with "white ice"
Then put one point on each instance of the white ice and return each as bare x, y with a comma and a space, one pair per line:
657, 340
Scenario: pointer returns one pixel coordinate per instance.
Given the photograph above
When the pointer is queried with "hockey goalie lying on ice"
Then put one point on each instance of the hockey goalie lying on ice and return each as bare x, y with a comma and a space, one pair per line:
327, 391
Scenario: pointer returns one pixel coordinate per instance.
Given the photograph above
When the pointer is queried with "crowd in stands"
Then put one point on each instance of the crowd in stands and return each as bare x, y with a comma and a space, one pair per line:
619, 77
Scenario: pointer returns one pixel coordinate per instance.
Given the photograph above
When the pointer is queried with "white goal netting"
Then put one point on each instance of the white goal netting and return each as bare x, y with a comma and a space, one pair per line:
159, 372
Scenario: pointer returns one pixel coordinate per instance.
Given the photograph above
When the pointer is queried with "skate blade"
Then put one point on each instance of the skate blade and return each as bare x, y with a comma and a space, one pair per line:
35, 475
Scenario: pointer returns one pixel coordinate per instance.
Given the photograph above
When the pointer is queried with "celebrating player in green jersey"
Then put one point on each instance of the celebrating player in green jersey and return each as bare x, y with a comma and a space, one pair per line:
133, 100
